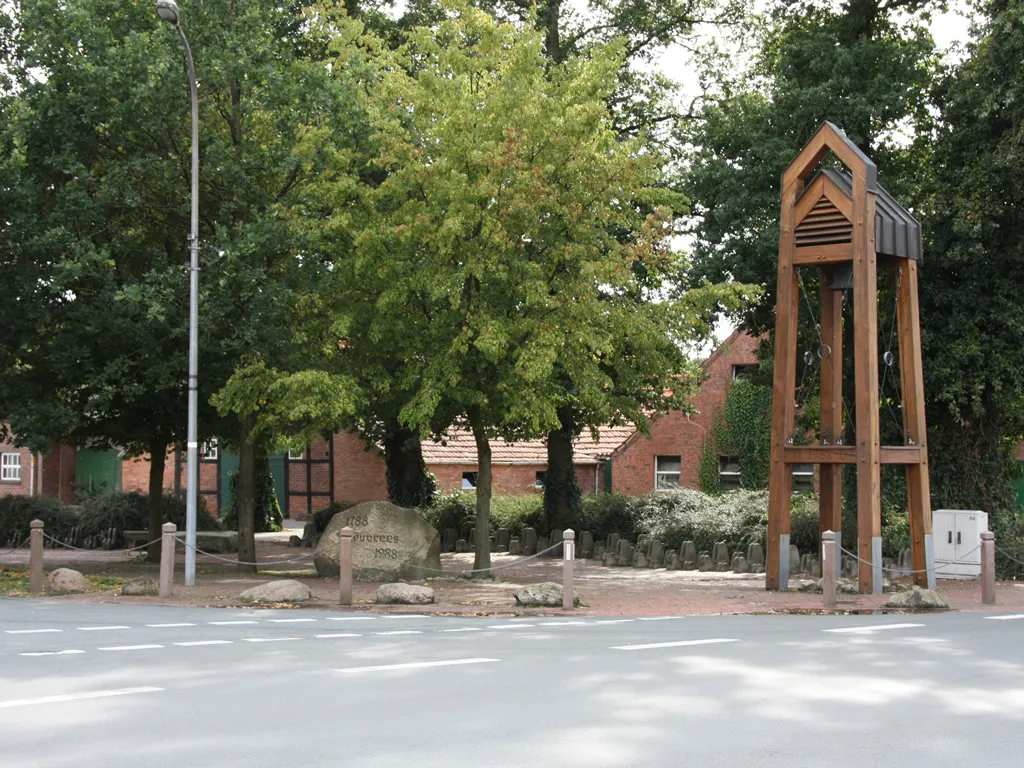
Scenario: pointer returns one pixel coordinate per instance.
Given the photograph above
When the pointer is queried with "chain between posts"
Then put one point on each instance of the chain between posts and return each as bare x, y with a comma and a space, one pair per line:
905, 572
483, 570
81, 549
240, 562
1008, 556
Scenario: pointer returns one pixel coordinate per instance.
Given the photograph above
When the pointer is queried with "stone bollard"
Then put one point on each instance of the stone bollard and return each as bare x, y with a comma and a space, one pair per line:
829, 557
167, 545
568, 554
345, 566
988, 568
35, 557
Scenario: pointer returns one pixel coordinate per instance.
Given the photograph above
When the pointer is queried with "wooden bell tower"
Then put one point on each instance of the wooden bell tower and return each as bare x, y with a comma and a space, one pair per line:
843, 222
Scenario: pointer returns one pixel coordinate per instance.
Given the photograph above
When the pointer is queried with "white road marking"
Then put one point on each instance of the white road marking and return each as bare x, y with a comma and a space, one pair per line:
994, 618
191, 643
103, 629
867, 630
464, 629
615, 621
418, 665
660, 618
289, 621
179, 624
508, 626
230, 623
50, 653
130, 647
561, 623
269, 639
350, 618
339, 634
674, 644
404, 616
401, 632
30, 631
77, 697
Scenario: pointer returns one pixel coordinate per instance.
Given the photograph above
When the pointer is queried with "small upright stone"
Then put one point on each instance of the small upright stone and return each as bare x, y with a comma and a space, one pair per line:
794, 559
643, 541
492, 543
586, 548
461, 545
529, 541
503, 538
755, 558
639, 559
450, 537
688, 556
610, 559
598, 550
612, 545
673, 562
704, 562
515, 546
657, 556
720, 556
625, 553
739, 563
555, 539
542, 544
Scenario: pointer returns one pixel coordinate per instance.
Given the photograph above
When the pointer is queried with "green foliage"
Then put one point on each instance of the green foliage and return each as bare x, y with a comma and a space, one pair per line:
268, 515
16, 512
736, 518
129, 511
458, 510
743, 429
322, 518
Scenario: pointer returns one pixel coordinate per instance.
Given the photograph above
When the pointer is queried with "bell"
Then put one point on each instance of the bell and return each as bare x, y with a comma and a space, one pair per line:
842, 276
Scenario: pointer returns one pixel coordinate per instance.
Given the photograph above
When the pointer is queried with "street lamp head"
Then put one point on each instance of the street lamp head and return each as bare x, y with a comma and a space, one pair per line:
168, 11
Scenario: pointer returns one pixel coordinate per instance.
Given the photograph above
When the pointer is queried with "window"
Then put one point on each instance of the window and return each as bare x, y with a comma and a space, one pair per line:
10, 468
469, 481
298, 455
803, 477
667, 470
539, 480
729, 472
210, 450
743, 371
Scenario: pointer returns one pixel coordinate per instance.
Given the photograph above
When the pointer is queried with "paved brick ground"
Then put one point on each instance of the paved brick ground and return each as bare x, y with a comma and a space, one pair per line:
603, 591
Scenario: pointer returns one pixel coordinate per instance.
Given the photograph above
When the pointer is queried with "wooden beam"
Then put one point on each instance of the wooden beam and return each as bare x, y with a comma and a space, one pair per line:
829, 138
787, 308
838, 197
823, 254
865, 349
830, 476
808, 199
919, 505
847, 454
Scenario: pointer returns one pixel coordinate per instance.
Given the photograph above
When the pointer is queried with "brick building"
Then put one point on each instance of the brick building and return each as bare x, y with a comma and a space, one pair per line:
345, 468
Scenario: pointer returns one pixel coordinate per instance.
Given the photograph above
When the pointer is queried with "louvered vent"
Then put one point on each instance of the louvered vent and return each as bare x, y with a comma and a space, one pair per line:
824, 225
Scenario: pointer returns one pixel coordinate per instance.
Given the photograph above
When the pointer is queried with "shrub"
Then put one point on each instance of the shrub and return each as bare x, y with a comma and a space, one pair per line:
736, 518
458, 510
16, 512
609, 513
130, 512
322, 518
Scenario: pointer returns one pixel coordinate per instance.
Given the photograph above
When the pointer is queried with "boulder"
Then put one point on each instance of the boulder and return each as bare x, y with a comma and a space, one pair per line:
283, 591
404, 594
544, 595
67, 581
389, 543
143, 585
919, 600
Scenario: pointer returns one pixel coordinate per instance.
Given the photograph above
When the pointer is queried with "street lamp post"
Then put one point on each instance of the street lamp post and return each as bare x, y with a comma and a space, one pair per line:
168, 11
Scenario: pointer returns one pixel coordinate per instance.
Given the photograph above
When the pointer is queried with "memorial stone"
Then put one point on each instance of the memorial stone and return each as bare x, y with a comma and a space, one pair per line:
555, 538
639, 559
529, 541
704, 562
586, 544
755, 557
688, 556
794, 559
739, 563
515, 546
599, 551
625, 553
503, 538
720, 556
612, 545
450, 537
492, 543
389, 542
542, 544
461, 545
673, 561
657, 556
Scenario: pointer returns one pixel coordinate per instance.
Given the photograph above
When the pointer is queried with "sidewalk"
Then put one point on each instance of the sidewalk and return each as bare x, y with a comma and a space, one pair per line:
603, 591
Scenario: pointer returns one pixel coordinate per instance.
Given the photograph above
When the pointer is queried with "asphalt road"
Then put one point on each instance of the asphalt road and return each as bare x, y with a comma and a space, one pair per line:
100, 686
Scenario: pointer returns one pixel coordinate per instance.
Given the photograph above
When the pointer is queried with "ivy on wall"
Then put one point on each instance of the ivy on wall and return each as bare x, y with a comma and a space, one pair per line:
742, 428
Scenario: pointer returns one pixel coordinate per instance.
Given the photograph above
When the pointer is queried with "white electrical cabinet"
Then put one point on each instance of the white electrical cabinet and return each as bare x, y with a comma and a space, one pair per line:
957, 542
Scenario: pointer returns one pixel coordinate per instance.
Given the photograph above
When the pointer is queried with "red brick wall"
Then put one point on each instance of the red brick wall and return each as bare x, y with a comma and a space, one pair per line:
135, 473
508, 479
310, 473
359, 474
674, 434
22, 486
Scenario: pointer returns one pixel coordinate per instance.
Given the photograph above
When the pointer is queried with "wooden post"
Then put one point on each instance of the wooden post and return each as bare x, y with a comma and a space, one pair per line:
865, 349
345, 566
35, 557
167, 547
568, 555
787, 310
919, 504
830, 476
829, 556
988, 568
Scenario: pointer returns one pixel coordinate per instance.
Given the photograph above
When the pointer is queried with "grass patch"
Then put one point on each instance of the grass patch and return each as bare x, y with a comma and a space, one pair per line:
15, 582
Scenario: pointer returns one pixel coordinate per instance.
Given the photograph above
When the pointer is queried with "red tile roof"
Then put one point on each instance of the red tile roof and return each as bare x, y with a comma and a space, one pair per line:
460, 448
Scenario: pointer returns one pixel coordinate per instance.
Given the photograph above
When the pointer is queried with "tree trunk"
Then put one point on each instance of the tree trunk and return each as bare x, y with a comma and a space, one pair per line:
157, 460
549, 20
409, 484
562, 496
483, 498
245, 497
